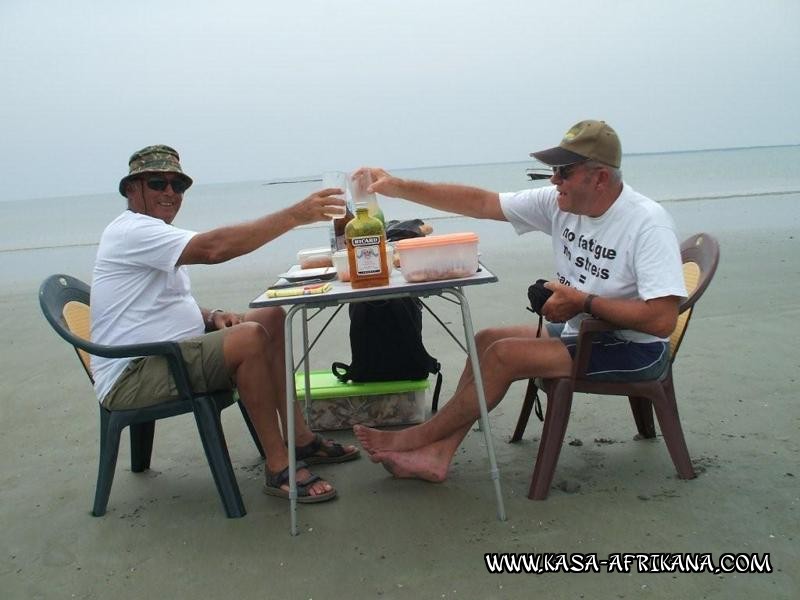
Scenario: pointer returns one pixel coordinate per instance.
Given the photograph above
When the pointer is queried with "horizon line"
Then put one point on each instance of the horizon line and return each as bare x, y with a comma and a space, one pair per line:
648, 153
288, 180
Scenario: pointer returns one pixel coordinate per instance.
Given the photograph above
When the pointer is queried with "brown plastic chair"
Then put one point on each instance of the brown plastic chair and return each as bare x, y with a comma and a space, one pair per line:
65, 303
700, 255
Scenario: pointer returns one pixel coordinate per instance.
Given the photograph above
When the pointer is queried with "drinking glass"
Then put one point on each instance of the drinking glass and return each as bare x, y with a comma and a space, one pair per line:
359, 184
335, 179
359, 190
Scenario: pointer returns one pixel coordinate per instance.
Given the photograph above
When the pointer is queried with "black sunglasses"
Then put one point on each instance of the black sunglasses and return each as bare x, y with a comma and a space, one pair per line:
564, 171
159, 184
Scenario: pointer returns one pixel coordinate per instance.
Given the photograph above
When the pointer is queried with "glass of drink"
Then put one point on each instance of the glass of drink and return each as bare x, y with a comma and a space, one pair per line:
359, 190
335, 179
359, 184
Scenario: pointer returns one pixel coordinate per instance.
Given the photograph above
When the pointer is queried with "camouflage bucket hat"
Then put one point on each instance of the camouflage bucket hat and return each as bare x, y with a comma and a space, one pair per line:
153, 159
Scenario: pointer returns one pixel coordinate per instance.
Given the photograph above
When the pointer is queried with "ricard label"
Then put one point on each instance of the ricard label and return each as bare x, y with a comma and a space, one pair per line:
367, 254
367, 240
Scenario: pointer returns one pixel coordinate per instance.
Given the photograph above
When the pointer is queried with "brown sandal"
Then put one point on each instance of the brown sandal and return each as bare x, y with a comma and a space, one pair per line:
318, 452
274, 481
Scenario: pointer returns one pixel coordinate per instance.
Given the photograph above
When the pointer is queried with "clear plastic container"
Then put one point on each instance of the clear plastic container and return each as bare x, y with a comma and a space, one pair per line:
310, 258
448, 256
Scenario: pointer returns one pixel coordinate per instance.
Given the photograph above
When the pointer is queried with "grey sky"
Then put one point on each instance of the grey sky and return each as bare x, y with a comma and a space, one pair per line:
253, 89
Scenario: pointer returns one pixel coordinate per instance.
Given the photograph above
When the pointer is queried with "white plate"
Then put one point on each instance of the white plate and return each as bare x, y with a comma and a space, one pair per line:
302, 274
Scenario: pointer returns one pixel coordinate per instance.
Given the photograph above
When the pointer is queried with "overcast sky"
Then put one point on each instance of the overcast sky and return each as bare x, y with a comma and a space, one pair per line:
262, 89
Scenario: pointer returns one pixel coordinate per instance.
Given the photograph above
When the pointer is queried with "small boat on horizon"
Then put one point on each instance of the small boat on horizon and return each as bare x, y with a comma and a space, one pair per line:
537, 173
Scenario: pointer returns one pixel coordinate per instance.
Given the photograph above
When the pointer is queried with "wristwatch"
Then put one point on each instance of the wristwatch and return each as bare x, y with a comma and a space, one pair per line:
587, 304
210, 318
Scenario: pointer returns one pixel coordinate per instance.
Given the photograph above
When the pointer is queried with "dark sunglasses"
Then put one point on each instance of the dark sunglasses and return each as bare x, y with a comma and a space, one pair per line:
159, 184
564, 171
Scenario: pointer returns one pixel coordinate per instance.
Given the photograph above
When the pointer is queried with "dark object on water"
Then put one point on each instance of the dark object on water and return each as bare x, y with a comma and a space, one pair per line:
537, 173
285, 181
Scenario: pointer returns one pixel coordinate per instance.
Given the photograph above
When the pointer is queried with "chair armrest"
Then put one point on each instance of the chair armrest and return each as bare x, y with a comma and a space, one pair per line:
594, 325
169, 350
583, 348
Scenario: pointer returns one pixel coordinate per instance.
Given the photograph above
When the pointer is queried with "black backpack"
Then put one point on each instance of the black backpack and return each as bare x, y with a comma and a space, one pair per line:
386, 344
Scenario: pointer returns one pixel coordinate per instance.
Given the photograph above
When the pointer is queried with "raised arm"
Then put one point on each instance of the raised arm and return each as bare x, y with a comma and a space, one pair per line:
461, 199
225, 243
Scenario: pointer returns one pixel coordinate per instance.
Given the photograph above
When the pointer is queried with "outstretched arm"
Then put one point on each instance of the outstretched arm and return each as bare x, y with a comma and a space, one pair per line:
225, 243
460, 199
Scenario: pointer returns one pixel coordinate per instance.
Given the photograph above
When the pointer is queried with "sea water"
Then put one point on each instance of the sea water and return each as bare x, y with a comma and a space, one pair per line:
49, 235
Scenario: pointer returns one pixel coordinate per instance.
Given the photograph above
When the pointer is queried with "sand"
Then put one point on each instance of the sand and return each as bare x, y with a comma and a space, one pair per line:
165, 534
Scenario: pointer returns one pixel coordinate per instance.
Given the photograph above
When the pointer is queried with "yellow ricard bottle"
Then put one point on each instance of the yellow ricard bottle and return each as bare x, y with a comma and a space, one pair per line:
366, 250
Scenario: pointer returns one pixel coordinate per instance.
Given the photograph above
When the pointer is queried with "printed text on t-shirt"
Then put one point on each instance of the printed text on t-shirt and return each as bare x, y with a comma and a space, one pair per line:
573, 244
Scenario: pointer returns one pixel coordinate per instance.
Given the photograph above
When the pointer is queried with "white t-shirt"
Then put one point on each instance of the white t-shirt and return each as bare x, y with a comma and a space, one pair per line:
631, 251
138, 295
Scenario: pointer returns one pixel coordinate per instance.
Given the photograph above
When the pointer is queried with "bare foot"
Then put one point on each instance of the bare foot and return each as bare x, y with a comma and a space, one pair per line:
415, 464
374, 440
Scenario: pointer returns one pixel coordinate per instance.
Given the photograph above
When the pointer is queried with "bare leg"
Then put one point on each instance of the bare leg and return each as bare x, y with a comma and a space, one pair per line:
487, 337
504, 361
247, 347
426, 451
272, 320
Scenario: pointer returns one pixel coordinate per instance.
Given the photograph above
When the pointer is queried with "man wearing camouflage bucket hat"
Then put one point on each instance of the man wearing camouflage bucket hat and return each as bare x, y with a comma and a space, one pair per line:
154, 159
617, 258
141, 293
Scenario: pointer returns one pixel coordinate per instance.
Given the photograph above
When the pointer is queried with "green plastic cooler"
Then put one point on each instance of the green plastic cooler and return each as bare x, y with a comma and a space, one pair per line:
337, 405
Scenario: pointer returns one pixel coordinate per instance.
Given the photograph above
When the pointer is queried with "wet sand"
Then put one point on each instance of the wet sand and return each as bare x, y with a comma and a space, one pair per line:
165, 534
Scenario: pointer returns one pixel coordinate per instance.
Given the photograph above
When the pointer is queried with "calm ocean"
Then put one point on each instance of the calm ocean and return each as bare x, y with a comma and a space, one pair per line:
60, 234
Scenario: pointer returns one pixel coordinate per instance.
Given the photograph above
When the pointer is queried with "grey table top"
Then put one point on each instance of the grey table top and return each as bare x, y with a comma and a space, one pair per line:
341, 292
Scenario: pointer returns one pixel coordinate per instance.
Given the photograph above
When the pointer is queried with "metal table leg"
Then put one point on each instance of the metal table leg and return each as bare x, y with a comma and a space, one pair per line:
473, 357
290, 398
306, 369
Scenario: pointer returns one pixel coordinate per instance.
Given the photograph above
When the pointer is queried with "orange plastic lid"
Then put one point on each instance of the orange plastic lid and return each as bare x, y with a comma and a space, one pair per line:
447, 239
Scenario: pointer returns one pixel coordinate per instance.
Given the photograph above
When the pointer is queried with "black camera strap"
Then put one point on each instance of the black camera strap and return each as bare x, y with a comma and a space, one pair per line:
537, 295
537, 403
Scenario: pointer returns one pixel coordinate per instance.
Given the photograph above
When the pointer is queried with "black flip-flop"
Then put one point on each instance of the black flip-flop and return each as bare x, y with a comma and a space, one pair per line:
274, 481
317, 452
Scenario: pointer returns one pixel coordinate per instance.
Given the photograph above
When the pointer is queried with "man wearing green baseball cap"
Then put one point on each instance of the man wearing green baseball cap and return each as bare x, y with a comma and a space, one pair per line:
617, 257
141, 293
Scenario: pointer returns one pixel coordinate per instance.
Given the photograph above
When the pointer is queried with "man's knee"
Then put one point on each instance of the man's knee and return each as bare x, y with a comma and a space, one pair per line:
272, 319
497, 357
246, 338
486, 337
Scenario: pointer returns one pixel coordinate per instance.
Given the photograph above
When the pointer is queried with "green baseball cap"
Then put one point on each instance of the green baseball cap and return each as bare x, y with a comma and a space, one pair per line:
592, 140
153, 159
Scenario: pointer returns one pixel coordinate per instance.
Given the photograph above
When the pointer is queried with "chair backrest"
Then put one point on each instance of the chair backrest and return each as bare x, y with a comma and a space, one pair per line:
700, 256
78, 318
65, 304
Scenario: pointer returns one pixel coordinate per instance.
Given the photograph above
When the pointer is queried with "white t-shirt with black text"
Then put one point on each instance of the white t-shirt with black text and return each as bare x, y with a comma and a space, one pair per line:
631, 251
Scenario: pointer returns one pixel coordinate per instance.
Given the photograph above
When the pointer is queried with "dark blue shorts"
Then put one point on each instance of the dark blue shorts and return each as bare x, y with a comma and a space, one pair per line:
615, 359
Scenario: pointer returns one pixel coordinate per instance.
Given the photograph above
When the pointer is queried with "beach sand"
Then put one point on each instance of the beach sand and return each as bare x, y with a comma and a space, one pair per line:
165, 534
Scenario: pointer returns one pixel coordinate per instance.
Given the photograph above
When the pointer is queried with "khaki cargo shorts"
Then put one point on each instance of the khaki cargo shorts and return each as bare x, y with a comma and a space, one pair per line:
147, 381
